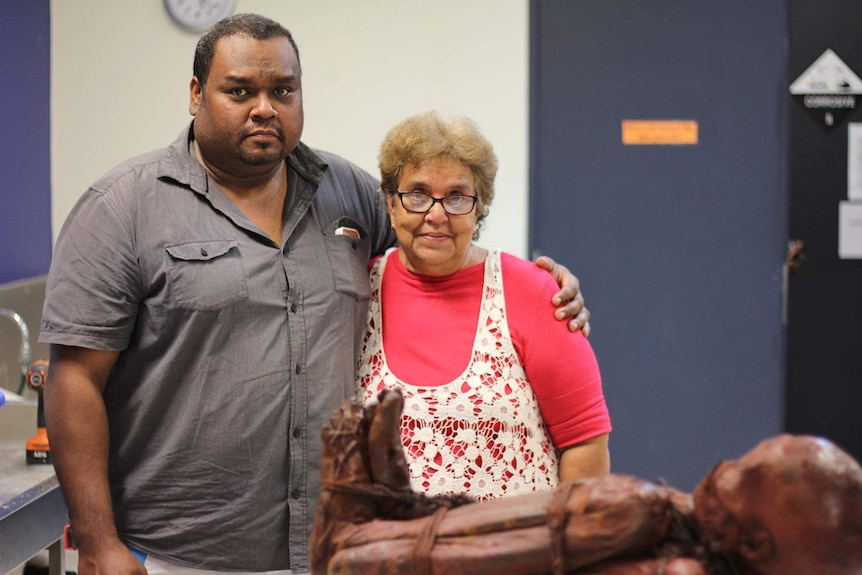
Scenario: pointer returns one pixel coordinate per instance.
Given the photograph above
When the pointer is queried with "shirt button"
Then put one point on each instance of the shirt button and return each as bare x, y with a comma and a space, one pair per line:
204, 252
296, 432
298, 369
295, 494
293, 308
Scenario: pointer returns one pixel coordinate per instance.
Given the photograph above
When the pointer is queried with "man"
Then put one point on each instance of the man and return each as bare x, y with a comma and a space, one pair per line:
203, 309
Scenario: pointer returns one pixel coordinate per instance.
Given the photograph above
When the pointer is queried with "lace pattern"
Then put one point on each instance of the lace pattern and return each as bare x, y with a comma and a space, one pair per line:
482, 433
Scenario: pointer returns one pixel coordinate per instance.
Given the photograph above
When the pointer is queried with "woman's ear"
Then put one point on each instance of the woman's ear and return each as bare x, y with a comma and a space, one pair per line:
390, 207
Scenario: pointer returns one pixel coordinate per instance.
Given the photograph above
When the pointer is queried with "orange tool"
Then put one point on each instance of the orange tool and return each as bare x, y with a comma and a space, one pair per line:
38, 448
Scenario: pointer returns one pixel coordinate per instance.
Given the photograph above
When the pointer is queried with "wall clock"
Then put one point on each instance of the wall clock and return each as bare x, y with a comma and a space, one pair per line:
198, 15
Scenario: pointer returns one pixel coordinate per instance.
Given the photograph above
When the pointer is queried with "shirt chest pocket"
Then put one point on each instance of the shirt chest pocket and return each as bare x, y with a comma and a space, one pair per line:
348, 260
205, 275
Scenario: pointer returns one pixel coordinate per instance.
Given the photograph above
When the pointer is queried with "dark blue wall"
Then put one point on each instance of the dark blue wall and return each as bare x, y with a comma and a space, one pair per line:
25, 139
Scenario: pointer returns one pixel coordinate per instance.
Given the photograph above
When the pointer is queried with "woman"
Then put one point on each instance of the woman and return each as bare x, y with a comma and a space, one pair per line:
500, 398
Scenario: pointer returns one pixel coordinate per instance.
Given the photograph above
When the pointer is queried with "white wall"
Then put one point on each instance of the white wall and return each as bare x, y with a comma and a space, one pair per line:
121, 71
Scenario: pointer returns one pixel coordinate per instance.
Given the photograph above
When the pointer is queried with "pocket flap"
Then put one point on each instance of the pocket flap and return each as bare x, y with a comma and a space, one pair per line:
201, 251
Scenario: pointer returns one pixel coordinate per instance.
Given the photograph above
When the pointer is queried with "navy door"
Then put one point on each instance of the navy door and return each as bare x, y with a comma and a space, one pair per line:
680, 248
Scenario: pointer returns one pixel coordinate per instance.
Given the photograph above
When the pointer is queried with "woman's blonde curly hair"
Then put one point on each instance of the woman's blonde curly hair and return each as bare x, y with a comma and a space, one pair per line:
422, 139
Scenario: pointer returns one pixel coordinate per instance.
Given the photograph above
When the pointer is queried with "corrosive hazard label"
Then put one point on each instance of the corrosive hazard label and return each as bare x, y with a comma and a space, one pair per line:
828, 89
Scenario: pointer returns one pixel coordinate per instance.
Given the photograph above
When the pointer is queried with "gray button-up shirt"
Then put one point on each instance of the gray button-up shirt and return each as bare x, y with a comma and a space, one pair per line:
235, 349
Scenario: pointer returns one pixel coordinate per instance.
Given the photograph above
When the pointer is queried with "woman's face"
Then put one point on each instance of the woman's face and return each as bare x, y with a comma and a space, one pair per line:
434, 243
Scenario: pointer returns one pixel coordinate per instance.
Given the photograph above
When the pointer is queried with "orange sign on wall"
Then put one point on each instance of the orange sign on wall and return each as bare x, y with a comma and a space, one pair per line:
659, 132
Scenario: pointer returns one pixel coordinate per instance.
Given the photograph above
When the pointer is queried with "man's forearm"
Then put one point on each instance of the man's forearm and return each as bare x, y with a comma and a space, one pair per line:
78, 430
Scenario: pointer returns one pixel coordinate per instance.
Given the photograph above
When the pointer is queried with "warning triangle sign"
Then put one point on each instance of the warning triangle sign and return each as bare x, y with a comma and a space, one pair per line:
827, 89
827, 75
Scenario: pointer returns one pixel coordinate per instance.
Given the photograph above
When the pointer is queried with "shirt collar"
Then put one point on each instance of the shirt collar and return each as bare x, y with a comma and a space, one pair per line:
181, 165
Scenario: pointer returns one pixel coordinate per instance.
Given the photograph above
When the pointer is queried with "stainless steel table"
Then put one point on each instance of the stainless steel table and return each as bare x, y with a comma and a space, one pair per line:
32, 511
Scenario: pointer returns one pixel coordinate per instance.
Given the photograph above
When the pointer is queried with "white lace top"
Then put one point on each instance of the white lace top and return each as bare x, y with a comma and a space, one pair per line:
481, 434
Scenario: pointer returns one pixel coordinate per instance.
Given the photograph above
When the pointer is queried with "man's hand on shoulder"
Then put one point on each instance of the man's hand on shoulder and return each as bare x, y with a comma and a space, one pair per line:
569, 301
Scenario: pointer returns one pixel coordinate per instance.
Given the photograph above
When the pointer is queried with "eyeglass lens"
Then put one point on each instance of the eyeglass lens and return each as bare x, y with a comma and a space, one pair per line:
456, 204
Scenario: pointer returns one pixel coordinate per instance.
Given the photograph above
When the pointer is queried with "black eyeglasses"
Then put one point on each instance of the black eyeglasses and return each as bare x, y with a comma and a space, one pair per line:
420, 203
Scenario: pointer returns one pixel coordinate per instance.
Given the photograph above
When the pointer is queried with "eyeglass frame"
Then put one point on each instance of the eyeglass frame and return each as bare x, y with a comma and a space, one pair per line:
434, 200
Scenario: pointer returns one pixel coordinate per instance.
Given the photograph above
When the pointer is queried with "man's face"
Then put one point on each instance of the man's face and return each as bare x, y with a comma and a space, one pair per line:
248, 115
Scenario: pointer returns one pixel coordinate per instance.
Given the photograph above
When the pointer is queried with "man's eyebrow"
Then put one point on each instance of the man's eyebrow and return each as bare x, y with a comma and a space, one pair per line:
288, 78
237, 79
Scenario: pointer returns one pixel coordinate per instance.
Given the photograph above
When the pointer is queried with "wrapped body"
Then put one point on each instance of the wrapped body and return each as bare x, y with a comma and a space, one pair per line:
369, 522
